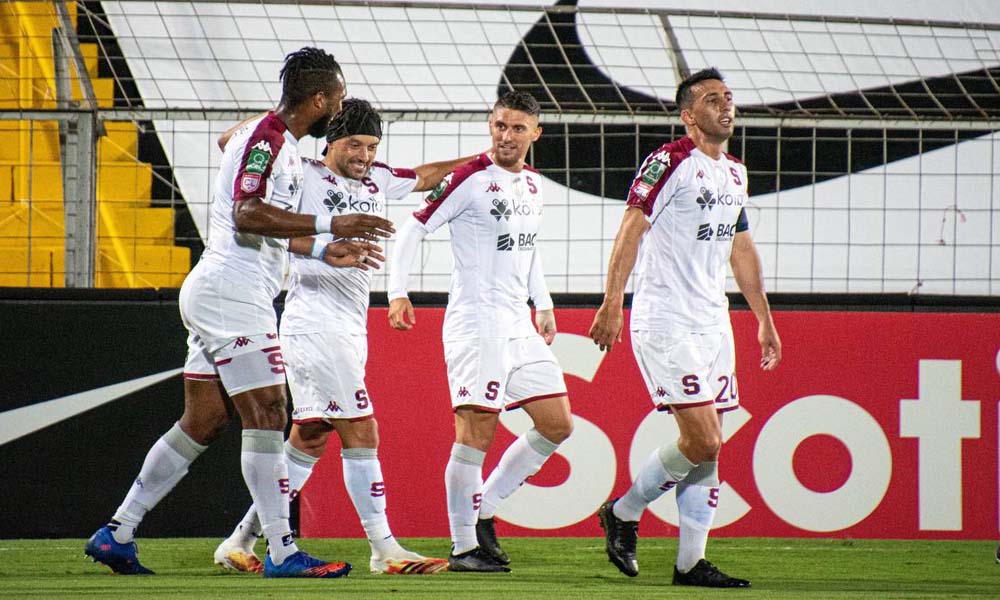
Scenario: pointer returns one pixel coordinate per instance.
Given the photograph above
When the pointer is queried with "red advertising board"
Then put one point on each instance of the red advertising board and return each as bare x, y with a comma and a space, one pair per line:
875, 425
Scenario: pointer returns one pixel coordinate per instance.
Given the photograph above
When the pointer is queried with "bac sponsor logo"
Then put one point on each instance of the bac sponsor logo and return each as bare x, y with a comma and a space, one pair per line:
259, 157
525, 241
722, 232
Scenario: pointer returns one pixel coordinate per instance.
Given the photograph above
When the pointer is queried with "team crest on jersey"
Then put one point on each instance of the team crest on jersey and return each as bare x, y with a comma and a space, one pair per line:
642, 189
706, 200
500, 210
250, 182
439, 190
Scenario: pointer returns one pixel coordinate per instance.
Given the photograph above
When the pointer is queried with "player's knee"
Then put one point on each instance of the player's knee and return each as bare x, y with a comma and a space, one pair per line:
204, 428
558, 430
360, 434
706, 447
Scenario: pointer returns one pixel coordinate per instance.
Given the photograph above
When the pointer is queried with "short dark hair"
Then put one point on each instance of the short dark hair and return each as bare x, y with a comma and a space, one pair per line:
522, 101
306, 72
684, 97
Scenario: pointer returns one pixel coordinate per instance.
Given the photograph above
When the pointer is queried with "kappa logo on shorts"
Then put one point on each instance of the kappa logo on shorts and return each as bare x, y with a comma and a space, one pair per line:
660, 392
333, 407
242, 341
463, 392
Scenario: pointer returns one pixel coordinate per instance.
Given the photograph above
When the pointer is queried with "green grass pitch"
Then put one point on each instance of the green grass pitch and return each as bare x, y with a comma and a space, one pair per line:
573, 568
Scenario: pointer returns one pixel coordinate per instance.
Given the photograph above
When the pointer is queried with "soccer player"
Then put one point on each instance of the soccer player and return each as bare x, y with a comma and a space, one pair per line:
234, 356
496, 359
685, 219
324, 335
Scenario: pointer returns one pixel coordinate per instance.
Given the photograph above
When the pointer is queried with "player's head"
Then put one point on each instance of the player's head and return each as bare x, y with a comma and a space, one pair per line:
514, 127
312, 84
706, 105
352, 139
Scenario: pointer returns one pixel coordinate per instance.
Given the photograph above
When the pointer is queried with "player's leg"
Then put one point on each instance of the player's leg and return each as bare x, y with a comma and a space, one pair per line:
366, 487
475, 428
253, 372
207, 412
698, 493
537, 386
303, 450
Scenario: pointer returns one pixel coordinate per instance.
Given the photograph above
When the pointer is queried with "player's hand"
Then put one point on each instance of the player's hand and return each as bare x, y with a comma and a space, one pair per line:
361, 226
607, 327
770, 346
401, 314
545, 320
350, 253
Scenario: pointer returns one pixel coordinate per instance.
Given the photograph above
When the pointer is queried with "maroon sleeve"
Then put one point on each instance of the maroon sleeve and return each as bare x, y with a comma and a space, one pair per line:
258, 158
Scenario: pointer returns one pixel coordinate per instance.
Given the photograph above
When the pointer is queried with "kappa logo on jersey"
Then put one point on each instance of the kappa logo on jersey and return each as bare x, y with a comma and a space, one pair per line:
334, 201
706, 199
494, 188
330, 179
242, 341
705, 232
439, 190
504, 242
500, 210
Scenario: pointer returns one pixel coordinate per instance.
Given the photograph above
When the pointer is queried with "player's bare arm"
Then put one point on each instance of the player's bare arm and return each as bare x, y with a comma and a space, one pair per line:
431, 174
340, 253
609, 320
253, 215
749, 277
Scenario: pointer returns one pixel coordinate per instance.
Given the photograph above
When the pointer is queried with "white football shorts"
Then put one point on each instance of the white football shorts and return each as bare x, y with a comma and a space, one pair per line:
232, 333
502, 373
688, 369
326, 376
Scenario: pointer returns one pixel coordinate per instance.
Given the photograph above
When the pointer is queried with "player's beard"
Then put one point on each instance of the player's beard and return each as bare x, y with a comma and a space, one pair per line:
319, 127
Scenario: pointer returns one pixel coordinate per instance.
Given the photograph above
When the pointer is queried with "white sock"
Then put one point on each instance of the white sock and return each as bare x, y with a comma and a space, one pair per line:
661, 472
266, 474
166, 463
521, 460
463, 481
366, 487
697, 501
248, 530
300, 466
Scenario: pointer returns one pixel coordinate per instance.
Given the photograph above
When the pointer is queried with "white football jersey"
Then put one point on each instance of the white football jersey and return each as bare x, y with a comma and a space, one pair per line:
494, 217
695, 206
261, 160
325, 298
